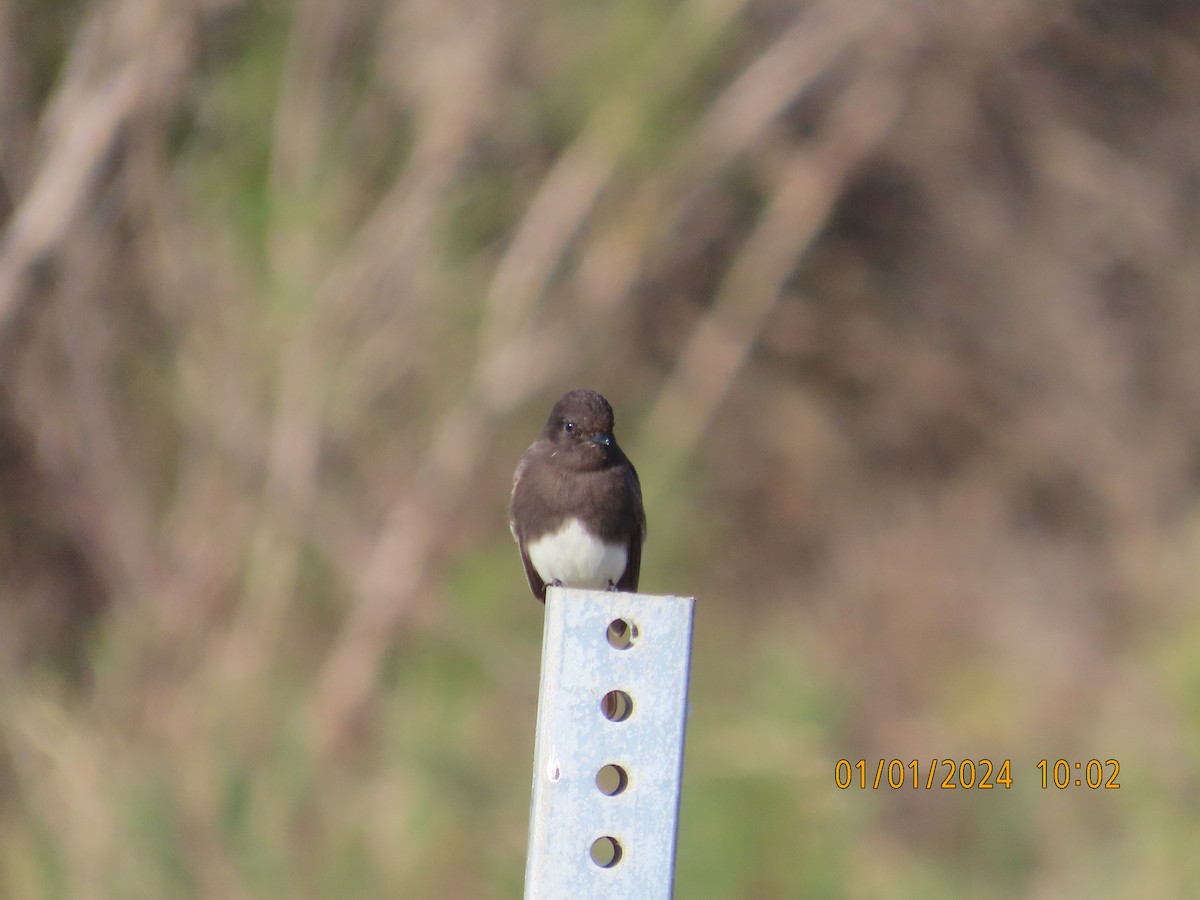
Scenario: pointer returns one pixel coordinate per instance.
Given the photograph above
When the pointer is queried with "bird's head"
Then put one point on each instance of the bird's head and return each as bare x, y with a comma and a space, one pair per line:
580, 430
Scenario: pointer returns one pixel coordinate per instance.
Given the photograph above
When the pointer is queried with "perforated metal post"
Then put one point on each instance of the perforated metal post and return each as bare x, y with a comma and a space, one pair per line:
608, 756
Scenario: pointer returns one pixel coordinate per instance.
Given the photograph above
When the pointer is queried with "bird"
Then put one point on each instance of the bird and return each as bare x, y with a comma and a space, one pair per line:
576, 508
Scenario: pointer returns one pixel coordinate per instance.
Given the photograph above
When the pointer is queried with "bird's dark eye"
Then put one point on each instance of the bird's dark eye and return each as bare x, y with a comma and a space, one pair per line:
568, 427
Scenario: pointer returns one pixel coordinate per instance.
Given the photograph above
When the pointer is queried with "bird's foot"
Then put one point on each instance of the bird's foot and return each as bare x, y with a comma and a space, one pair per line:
611, 586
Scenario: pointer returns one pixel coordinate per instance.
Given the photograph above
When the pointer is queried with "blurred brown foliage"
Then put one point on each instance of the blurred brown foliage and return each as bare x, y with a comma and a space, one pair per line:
896, 301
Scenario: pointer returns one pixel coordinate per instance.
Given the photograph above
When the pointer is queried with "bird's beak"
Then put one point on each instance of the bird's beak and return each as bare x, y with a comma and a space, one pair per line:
604, 438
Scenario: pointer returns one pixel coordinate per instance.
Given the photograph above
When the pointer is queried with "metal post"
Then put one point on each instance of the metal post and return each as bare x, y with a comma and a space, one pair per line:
608, 756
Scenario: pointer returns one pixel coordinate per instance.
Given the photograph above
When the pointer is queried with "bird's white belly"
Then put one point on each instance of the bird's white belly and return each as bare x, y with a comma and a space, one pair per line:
577, 558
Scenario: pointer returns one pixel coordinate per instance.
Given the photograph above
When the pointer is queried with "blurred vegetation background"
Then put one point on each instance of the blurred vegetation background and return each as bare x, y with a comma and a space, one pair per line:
897, 304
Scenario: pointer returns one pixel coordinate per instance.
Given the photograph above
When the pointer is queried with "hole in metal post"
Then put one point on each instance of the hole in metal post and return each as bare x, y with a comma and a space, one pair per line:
616, 706
606, 852
621, 634
612, 780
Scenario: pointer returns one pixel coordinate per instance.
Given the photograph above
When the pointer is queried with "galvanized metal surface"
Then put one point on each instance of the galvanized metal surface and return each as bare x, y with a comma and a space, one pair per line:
579, 733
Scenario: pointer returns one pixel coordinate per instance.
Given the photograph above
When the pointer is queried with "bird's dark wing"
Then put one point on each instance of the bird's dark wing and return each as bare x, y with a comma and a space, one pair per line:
633, 564
535, 580
633, 547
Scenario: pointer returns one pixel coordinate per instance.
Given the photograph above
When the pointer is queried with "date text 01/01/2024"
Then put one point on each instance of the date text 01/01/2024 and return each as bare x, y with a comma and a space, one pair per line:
968, 774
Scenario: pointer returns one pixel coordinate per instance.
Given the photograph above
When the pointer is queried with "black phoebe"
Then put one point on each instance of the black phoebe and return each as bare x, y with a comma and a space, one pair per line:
576, 509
